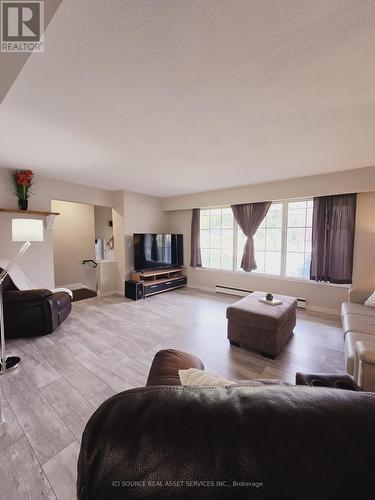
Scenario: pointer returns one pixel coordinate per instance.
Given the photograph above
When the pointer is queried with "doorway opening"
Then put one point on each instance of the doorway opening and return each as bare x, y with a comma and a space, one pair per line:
83, 247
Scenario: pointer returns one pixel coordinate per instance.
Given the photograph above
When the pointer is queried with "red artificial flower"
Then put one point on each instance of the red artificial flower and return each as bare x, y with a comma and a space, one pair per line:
24, 177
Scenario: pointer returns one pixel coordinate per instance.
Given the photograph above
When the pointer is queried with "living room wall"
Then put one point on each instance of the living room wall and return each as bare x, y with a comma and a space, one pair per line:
142, 214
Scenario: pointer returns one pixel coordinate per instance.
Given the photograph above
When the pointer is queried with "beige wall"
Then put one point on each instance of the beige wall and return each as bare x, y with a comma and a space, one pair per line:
119, 237
320, 297
364, 248
142, 214
38, 260
73, 240
349, 181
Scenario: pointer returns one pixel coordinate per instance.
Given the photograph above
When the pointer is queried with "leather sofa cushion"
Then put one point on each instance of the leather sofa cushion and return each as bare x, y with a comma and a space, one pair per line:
298, 442
358, 309
250, 311
360, 324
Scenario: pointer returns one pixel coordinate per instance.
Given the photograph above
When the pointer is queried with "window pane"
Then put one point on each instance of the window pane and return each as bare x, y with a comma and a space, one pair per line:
227, 238
205, 219
259, 259
307, 265
239, 259
205, 254
227, 218
299, 239
297, 205
205, 238
273, 239
227, 259
217, 230
296, 218
273, 262
241, 239
215, 218
215, 259
296, 239
309, 217
295, 264
259, 240
308, 239
274, 216
215, 238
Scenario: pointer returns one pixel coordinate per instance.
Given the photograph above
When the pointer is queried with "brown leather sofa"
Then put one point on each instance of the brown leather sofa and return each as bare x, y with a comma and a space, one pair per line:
33, 312
235, 442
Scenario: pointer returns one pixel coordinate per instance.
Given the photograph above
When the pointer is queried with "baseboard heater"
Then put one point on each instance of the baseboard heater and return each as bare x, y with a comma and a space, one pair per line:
242, 292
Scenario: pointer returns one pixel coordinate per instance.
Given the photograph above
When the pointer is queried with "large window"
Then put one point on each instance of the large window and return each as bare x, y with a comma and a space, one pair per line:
282, 242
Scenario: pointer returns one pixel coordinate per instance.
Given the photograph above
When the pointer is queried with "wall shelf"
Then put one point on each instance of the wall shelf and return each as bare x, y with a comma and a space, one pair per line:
49, 216
33, 212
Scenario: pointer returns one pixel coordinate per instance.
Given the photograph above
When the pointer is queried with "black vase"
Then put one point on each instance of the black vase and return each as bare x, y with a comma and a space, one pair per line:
23, 204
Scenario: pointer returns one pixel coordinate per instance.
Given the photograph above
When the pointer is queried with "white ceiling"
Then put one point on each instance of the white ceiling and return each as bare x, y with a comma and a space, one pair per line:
168, 97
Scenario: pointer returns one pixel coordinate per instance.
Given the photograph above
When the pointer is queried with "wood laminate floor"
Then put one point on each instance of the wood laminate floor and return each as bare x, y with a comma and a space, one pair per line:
106, 346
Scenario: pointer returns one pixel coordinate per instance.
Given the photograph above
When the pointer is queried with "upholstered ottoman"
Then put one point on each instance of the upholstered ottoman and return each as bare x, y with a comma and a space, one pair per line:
261, 327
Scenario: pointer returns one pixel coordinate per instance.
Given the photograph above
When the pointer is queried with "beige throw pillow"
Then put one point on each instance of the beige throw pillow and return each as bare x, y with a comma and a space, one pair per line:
193, 376
370, 302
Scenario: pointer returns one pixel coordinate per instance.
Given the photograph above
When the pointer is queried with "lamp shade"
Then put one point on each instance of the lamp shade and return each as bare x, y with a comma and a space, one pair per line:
27, 230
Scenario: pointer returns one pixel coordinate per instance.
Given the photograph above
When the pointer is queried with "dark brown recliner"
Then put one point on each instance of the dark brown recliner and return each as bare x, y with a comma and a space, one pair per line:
233, 442
29, 313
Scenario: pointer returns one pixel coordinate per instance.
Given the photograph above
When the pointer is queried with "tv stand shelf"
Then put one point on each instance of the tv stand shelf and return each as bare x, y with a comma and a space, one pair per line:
157, 272
160, 280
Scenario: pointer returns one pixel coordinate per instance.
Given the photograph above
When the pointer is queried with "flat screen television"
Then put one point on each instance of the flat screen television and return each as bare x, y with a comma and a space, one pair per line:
157, 250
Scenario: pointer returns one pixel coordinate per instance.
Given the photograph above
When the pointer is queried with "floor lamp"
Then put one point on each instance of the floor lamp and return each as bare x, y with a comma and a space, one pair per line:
26, 230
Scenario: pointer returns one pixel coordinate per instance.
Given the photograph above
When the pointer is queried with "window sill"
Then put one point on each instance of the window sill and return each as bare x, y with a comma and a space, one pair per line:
272, 277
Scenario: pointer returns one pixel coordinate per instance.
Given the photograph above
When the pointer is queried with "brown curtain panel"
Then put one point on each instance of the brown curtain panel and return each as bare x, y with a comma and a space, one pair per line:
195, 255
333, 238
249, 216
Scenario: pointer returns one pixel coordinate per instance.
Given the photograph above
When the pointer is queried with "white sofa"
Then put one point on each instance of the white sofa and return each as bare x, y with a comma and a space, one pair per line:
358, 323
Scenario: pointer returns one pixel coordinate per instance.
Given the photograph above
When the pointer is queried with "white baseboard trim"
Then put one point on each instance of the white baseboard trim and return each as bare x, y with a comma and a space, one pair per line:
324, 310
203, 288
317, 309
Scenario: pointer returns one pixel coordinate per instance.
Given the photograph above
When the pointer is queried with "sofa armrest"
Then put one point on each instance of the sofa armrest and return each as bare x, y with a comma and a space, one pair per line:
359, 296
364, 365
165, 366
18, 296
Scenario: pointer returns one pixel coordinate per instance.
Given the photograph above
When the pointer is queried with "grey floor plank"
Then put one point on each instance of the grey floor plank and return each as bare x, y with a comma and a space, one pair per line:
44, 429
61, 472
14, 431
39, 369
72, 370
70, 405
64, 399
105, 371
21, 476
